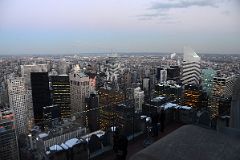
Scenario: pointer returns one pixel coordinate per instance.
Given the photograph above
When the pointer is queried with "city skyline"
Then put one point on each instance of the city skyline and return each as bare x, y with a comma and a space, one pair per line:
73, 27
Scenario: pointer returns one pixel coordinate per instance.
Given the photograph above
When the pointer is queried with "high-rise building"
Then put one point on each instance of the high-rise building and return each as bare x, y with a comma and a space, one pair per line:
92, 81
191, 67
222, 89
173, 73
207, 80
27, 69
79, 90
51, 115
40, 95
18, 103
60, 89
108, 100
146, 84
235, 106
139, 99
192, 96
163, 76
8, 138
171, 91
92, 118
158, 70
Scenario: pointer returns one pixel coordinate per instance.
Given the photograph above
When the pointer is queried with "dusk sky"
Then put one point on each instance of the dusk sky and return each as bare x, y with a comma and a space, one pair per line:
80, 26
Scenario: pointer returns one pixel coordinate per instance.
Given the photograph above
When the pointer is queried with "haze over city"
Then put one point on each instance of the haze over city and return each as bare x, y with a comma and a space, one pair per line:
75, 27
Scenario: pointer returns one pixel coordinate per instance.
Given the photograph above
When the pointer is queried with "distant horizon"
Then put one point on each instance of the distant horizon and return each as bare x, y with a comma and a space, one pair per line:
112, 54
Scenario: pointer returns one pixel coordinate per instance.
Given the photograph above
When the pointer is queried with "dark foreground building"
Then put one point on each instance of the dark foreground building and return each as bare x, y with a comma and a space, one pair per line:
8, 140
40, 95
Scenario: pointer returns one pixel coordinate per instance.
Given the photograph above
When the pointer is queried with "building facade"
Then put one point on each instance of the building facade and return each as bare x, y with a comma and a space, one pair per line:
8, 138
190, 67
221, 91
18, 103
60, 90
40, 95
139, 99
79, 90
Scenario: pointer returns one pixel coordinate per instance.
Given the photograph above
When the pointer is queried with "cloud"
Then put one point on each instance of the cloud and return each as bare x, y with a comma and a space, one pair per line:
160, 10
149, 16
183, 4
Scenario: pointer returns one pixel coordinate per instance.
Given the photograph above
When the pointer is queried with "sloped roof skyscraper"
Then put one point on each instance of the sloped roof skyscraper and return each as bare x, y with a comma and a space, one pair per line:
191, 67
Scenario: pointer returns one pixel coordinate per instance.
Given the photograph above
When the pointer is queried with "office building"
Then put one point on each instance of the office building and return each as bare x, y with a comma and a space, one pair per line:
60, 90
163, 76
235, 106
146, 84
108, 100
192, 96
139, 99
207, 80
8, 137
173, 73
26, 71
92, 118
191, 67
221, 90
171, 91
40, 95
79, 90
18, 103
51, 116
92, 81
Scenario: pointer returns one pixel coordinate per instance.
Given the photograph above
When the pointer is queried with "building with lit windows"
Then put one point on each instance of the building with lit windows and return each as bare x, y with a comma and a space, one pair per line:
221, 91
60, 90
235, 106
192, 95
51, 116
108, 100
8, 138
171, 91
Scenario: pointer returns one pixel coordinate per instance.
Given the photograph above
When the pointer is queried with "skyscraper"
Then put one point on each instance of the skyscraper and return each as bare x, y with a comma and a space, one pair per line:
139, 99
222, 89
235, 106
207, 80
40, 95
8, 138
60, 87
173, 73
18, 102
92, 118
163, 76
191, 67
79, 90
27, 69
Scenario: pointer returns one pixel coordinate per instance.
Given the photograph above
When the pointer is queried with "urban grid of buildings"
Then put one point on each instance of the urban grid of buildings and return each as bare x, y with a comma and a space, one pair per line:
52, 106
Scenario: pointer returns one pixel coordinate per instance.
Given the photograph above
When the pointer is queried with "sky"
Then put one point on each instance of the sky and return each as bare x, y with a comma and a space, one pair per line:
104, 26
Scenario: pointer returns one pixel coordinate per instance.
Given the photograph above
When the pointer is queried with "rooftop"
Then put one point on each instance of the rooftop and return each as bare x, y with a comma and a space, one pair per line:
192, 142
